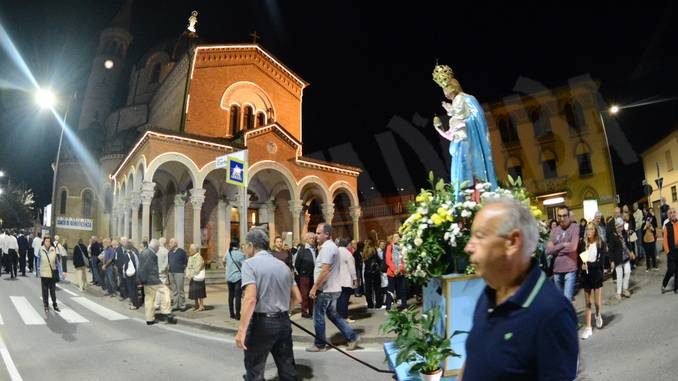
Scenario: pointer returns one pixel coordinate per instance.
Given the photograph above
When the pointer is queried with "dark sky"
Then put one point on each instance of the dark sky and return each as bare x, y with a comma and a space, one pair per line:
366, 64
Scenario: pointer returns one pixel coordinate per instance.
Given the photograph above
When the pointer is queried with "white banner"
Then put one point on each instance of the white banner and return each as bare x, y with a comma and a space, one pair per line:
74, 223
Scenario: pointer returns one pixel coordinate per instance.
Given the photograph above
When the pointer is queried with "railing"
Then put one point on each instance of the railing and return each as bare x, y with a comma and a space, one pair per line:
555, 184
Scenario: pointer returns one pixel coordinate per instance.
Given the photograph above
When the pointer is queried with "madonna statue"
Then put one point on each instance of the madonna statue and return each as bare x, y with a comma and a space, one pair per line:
467, 132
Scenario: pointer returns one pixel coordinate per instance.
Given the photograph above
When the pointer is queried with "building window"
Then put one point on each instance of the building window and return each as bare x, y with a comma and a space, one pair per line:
261, 119
63, 199
514, 168
155, 74
235, 120
669, 160
574, 116
87, 204
548, 165
507, 131
674, 194
540, 123
249, 118
583, 154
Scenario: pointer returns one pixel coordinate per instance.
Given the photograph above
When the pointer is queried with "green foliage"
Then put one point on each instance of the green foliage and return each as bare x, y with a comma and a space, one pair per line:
16, 207
418, 342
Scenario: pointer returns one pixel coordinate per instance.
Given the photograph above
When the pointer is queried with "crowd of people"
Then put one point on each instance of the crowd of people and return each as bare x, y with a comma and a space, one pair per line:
582, 254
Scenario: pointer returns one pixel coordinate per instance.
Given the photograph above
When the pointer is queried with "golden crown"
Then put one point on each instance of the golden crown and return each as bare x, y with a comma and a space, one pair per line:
443, 75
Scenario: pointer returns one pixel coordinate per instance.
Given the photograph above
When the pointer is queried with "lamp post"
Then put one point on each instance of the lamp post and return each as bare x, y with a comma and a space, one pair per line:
47, 100
612, 110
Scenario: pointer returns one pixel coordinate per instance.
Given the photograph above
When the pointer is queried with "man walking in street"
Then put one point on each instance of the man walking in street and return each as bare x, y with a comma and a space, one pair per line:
109, 254
12, 254
670, 246
35, 251
148, 276
562, 245
269, 293
22, 241
177, 260
95, 248
521, 321
163, 269
326, 291
304, 264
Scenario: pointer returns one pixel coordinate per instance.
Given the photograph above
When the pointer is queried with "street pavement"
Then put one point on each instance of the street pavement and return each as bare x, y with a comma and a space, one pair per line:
97, 338
639, 338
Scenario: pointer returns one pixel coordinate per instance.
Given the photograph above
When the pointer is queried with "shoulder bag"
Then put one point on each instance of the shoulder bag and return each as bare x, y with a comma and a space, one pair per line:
230, 253
200, 276
55, 274
131, 270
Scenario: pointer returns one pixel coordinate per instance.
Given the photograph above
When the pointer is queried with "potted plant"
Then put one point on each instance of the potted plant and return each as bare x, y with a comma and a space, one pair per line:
418, 342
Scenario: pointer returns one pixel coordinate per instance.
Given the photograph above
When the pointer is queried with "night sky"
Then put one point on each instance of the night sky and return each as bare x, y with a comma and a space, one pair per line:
366, 64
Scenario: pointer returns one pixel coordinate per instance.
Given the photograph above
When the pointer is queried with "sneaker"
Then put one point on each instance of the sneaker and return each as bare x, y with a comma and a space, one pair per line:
587, 333
56, 309
313, 348
599, 321
626, 293
353, 345
350, 321
151, 322
655, 269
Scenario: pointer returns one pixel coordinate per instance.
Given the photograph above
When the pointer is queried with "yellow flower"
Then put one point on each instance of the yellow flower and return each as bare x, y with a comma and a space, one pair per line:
442, 211
536, 212
416, 217
437, 219
450, 218
424, 197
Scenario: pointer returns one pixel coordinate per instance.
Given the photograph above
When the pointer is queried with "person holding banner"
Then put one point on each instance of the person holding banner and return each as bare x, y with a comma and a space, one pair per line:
593, 259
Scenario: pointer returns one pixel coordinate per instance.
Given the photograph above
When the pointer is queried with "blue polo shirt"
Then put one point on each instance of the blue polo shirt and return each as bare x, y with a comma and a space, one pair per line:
532, 335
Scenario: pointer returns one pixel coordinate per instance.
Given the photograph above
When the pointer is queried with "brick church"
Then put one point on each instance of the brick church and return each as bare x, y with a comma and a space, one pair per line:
185, 103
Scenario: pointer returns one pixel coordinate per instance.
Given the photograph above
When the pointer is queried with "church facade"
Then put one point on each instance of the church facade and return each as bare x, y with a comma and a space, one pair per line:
187, 103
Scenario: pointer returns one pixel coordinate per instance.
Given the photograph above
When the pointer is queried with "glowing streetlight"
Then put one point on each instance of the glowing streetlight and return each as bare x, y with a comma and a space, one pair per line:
45, 98
2, 173
1, 190
108, 64
614, 109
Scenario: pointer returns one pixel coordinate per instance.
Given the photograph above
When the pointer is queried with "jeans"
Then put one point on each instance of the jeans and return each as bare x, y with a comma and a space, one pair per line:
64, 263
623, 276
94, 265
397, 287
47, 284
639, 243
650, 255
326, 304
177, 284
565, 283
234, 297
342, 302
671, 265
110, 280
274, 335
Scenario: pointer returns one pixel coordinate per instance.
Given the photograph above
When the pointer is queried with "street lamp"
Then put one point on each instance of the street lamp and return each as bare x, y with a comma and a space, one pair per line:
614, 109
45, 98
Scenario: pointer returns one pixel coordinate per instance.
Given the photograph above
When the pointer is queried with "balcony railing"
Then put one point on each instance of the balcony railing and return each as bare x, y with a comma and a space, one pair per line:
556, 184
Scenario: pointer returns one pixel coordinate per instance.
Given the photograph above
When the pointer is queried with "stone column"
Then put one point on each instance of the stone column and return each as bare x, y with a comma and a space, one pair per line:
222, 241
307, 220
295, 209
135, 203
197, 198
179, 220
355, 213
328, 212
127, 210
243, 204
114, 222
147, 192
268, 211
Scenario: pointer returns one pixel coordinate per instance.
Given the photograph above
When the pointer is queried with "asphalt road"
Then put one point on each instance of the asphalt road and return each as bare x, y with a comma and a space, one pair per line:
95, 338
639, 340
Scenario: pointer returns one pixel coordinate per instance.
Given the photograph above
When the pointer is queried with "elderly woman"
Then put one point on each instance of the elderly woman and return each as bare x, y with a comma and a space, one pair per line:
195, 272
49, 268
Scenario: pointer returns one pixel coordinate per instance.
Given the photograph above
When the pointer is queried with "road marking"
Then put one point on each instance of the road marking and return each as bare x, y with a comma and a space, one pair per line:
69, 315
71, 293
7, 358
28, 314
98, 309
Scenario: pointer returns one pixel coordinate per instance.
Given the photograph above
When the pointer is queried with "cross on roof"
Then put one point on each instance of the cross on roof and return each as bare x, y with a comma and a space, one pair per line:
255, 37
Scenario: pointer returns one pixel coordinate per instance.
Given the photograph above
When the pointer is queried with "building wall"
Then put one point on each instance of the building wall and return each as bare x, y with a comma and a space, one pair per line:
563, 143
168, 102
657, 154
214, 73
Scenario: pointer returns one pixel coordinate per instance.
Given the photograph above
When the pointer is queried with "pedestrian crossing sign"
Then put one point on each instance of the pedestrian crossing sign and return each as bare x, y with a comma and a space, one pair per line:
237, 172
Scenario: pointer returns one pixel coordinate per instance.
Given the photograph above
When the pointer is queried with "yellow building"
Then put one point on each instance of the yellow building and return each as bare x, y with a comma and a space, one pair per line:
555, 141
662, 156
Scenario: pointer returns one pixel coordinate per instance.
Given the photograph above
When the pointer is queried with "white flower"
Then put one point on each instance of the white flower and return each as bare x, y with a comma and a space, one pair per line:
469, 204
422, 210
447, 236
423, 254
418, 241
465, 213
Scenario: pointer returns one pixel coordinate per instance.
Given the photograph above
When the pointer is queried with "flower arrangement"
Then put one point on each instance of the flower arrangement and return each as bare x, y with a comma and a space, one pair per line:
434, 236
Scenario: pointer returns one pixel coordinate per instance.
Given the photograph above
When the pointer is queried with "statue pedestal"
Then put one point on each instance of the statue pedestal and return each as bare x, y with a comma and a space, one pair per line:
456, 294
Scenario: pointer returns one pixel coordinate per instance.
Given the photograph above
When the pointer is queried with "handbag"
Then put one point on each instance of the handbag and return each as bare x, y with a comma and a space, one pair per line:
199, 277
131, 270
55, 274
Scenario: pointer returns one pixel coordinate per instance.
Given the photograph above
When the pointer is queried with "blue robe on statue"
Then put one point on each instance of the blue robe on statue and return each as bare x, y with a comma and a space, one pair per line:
471, 155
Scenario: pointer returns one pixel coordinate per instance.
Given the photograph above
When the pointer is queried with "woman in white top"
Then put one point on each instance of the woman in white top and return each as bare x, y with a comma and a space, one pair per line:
347, 279
592, 276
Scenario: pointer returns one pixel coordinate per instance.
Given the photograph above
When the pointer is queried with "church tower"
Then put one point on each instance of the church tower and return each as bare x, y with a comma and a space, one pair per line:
107, 68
